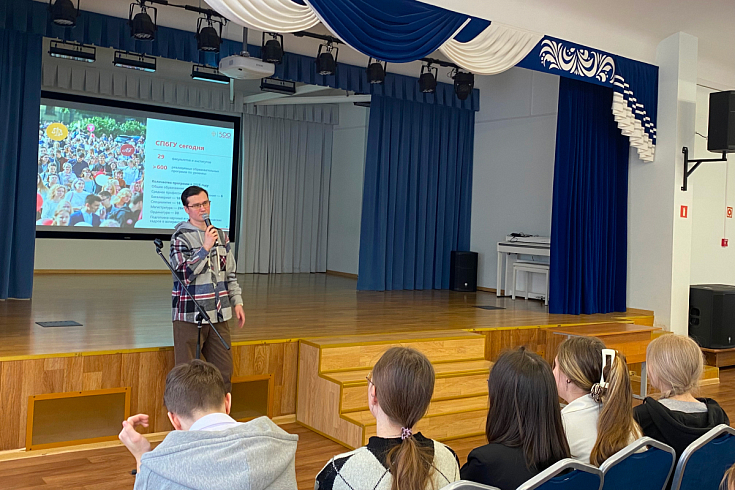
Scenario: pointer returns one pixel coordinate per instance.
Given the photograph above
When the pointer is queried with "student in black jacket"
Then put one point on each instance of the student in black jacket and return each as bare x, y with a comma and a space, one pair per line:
677, 418
524, 428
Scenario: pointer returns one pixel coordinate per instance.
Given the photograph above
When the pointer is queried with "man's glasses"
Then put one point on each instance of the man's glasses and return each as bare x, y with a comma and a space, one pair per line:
204, 204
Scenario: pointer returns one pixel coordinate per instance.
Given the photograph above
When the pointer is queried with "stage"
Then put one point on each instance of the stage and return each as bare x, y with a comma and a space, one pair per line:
125, 341
124, 312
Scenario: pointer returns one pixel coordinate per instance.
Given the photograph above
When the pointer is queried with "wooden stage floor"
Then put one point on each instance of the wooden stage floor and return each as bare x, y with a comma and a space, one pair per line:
131, 311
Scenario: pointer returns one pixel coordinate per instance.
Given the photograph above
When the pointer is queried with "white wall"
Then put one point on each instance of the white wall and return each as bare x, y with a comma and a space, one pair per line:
345, 189
515, 139
711, 263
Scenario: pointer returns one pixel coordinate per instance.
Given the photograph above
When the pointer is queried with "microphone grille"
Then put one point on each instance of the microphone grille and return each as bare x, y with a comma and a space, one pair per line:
205, 216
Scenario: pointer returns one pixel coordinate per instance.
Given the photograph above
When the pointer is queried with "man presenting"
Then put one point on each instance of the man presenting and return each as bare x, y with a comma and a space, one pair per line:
202, 256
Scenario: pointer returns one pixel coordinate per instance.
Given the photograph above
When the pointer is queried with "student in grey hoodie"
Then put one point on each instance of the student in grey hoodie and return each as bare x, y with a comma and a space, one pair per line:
209, 449
203, 258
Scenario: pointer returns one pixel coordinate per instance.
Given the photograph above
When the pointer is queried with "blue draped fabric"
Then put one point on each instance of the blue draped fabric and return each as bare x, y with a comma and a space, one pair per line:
417, 194
589, 217
114, 32
20, 99
390, 30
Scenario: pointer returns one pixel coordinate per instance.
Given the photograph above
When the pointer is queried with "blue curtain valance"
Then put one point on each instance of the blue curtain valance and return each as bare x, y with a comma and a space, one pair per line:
392, 31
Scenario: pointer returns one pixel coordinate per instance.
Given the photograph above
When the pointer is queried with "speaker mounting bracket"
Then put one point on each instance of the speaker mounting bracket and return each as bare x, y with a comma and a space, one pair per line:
689, 171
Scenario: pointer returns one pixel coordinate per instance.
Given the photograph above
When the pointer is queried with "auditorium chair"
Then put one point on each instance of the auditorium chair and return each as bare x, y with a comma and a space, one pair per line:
567, 474
704, 462
634, 467
468, 485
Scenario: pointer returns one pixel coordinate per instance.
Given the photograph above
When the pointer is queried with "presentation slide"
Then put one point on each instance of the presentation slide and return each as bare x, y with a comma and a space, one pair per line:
109, 169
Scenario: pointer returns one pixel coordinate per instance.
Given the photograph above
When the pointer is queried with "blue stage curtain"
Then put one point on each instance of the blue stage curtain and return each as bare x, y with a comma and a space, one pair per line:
417, 195
20, 99
390, 30
589, 213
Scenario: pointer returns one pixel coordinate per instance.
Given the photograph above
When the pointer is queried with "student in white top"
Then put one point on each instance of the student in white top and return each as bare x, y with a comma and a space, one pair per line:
594, 381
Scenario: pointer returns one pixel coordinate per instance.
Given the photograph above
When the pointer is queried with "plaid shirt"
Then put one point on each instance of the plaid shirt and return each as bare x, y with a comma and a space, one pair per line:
209, 276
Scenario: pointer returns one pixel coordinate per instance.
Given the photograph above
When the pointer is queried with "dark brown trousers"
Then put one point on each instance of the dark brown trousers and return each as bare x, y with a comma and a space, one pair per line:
185, 344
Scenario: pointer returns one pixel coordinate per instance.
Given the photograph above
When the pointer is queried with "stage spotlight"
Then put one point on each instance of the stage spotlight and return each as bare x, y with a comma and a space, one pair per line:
141, 25
72, 51
464, 83
326, 64
427, 79
134, 61
272, 50
376, 71
208, 74
63, 12
208, 39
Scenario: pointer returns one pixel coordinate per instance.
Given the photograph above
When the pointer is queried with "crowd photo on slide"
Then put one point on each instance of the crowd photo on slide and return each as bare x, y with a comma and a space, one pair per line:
90, 169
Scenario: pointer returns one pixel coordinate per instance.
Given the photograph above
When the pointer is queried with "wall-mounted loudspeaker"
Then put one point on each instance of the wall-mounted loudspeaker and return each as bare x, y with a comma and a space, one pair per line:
721, 131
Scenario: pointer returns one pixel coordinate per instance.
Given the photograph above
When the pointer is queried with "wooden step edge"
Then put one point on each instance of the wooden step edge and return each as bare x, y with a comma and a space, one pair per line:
440, 399
451, 374
459, 436
397, 341
333, 439
427, 416
359, 368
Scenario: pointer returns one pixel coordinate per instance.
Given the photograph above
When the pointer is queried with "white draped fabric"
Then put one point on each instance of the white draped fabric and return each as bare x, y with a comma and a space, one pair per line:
267, 15
285, 196
629, 125
496, 49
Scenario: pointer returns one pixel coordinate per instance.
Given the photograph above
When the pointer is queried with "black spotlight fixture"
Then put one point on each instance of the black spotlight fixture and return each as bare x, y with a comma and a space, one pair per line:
208, 37
376, 71
326, 63
63, 12
272, 50
427, 79
464, 83
142, 27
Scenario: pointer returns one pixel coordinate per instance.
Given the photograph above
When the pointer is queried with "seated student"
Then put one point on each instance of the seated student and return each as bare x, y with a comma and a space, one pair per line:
88, 214
209, 449
524, 430
675, 364
399, 392
598, 420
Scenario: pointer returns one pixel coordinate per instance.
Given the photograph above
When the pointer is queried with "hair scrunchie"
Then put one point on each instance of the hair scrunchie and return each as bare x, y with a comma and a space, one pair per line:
405, 433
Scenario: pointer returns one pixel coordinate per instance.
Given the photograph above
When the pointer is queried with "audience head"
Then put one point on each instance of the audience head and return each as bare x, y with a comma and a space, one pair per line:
136, 202
61, 217
110, 223
524, 408
193, 390
578, 370
53, 179
728, 481
400, 389
78, 185
57, 192
92, 203
674, 364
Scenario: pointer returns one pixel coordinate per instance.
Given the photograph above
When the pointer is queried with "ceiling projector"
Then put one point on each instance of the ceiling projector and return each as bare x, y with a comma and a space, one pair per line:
242, 67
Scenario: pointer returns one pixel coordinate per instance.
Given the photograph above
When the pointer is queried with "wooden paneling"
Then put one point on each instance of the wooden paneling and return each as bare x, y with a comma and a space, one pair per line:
318, 401
498, 341
144, 372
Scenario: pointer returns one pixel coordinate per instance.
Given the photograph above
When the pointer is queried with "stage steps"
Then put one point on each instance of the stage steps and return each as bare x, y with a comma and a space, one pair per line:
332, 387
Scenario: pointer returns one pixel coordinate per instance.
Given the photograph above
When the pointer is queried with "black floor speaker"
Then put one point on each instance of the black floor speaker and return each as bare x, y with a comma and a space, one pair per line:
712, 315
463, 272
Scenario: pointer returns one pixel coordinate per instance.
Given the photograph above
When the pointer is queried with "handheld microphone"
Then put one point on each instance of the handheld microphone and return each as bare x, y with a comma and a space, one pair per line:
208, 222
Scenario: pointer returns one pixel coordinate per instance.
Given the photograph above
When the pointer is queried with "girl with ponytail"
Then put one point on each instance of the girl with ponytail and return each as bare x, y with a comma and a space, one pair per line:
400, 388
594, 381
